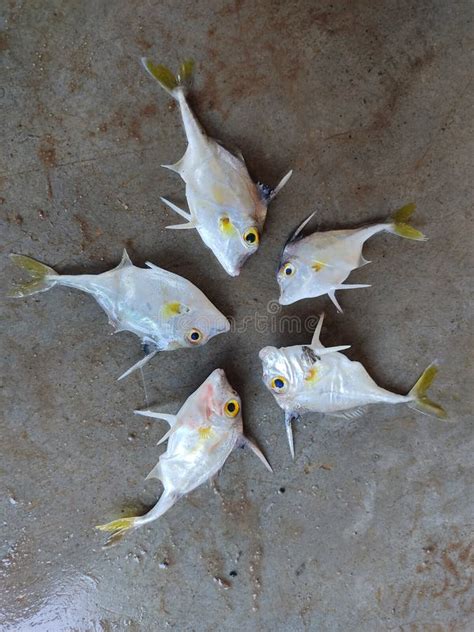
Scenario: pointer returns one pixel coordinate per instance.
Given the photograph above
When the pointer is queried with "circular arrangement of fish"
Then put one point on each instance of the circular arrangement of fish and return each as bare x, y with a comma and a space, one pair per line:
166, 311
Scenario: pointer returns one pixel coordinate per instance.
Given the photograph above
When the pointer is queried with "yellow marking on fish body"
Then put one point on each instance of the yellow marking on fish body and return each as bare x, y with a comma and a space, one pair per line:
218, 193
226, 226
311, 376
205, 432
318, 266
171, 309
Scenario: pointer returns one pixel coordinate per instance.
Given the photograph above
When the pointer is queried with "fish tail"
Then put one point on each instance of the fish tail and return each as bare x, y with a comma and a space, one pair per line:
420, 400
172, 83
40, 276
117, 529
399, 224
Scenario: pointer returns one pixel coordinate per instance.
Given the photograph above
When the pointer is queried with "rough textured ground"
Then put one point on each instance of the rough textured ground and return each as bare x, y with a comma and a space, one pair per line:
370, 528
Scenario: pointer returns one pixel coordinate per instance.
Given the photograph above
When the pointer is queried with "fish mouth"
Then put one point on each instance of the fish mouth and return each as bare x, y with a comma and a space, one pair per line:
218, 379
225, 328
221, 329
174, 345
284, 300
234, 267
232, 270
221, 326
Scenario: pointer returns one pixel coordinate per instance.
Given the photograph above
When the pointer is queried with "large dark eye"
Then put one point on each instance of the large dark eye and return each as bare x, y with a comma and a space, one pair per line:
278, 384
232, 408
287, 269
194, 336
251, 236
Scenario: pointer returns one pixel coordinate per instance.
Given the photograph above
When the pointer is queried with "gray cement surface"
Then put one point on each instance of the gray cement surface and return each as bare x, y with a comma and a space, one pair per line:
370, 528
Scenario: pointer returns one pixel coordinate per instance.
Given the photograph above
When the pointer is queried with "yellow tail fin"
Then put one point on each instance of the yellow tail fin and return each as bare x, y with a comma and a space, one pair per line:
166, 78
421, 401
400, 225
39, 274
118, 529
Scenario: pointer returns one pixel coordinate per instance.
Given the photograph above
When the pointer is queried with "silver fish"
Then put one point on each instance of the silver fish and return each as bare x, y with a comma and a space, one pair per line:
320, 263
163, 309
201, 436
226, 207
313, 378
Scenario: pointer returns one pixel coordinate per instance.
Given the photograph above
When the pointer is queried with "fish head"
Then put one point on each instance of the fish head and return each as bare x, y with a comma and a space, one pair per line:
234, 237
199, 325
219, 404
192, 324
283, 374
297, 280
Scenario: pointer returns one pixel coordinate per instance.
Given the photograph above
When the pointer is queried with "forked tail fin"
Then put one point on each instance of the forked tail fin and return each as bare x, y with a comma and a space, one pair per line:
117, 529
421, 401
40, 277
167, 80
400, 226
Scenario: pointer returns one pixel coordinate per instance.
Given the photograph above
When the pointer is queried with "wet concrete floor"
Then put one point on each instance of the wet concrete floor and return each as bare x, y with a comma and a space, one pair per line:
370, 528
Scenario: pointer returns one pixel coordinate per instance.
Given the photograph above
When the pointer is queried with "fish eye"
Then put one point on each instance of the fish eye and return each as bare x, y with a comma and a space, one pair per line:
251, 237
232, 408
287, 269
194, 336
279, 383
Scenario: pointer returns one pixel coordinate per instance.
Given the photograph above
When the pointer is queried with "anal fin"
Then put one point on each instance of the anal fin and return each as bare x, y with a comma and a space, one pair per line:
155, 472
352, 413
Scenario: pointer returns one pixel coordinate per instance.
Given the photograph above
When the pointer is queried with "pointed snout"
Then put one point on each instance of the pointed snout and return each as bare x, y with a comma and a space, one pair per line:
220, 325
284, 300
218, 375
233, 262
232, 268
224, 326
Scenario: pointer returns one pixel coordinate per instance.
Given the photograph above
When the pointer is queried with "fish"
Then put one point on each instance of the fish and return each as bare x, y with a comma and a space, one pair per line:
165, 310
318, 379
200, 438
226, 207
319, 263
